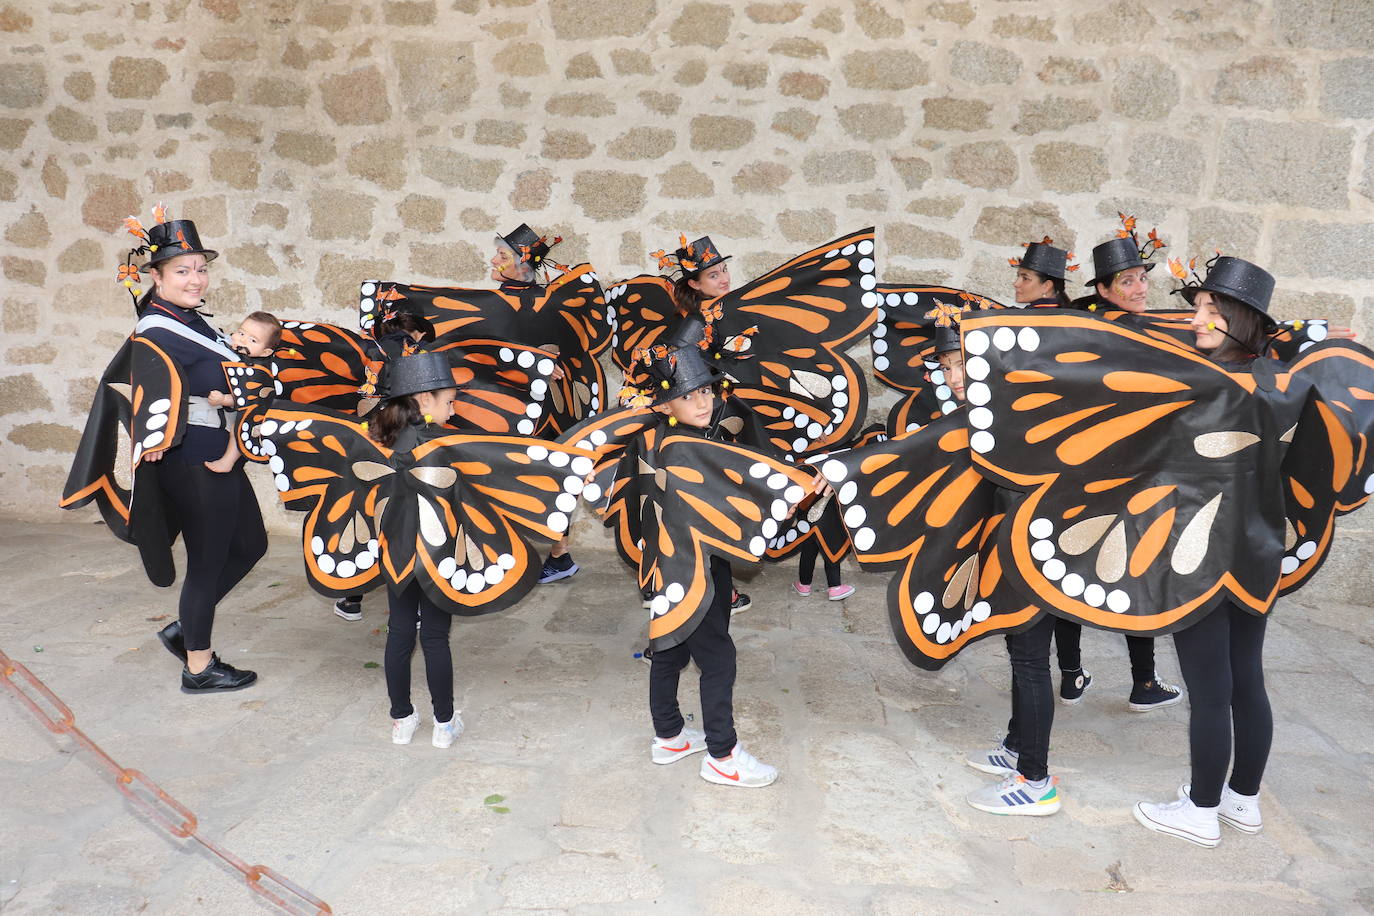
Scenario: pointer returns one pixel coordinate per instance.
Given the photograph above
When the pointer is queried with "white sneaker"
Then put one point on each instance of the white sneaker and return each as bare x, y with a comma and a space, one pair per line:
1182, 819
446, 732
1016, 796
402, 730
1239, 811
999, 761
671, 750
739, 769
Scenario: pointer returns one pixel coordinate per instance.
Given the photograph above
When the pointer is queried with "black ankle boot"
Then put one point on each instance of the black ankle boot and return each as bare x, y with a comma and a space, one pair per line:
217, 676
171, 638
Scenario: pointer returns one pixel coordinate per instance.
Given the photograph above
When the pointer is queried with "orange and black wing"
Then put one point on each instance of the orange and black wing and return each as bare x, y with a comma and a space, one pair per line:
917, 506
321, 364
568, 318
502, 387
1329, 469
468, 508
96, 472
323, 463
818, 518
622, 442
253, 388
793, 326
717, 500
904, 332
1150, 476
158, 400
1296, 336
640, 310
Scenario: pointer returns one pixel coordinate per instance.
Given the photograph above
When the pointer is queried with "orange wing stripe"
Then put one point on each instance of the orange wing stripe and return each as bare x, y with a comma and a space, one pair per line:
713, 515
1055, 426
1091, 442
1151, 543
908, 502
948, 502
1142, 382
1143, 500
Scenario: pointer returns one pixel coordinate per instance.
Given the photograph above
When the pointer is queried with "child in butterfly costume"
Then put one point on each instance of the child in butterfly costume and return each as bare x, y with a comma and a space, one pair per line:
1120, 278
705, 503
566, 317
781, 339
156, 391
1221, 654
443, 518
1153, 488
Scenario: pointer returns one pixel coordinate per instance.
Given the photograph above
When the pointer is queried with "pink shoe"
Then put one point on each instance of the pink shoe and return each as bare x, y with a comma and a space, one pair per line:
803, 590
839, 592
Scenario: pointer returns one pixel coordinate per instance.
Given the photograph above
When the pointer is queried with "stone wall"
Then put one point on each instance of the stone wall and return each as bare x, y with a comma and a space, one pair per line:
320, 143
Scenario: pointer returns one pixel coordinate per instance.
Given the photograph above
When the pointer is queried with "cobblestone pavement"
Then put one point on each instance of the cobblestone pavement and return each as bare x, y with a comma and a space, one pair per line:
298, 772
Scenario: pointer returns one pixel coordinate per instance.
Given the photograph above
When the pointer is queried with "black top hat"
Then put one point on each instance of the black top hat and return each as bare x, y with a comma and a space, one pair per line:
414, 374
698, 256
1114, 256
1046, 260
529, 247
175, 238
692, 258
671, 372
1239, 280
946, 338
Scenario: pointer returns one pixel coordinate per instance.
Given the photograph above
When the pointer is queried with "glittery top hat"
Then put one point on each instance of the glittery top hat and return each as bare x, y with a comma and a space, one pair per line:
671, 372
692, 257
529, 247
413, 374
1238, 279
1045, 259
173, 239
1123, 252
165, 239
946, 318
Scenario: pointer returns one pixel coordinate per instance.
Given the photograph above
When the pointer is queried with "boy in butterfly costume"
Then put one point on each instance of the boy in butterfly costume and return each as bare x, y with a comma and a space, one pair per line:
566, 316
705, 503
765, 337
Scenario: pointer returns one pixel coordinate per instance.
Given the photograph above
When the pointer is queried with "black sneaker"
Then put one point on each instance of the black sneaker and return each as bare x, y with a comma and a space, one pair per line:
1072, 686
217, 676
349, 608
171, 638
556, 568
740, 603
1154, 694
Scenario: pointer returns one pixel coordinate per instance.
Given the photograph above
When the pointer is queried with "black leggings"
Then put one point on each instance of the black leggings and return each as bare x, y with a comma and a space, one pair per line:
806, 565
1068, 635
1222, 659
406, 608
222, 528
711, 647
1032, 698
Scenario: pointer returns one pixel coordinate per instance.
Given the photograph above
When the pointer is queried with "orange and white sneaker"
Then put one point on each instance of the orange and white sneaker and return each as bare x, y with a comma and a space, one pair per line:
739, 769
671, 750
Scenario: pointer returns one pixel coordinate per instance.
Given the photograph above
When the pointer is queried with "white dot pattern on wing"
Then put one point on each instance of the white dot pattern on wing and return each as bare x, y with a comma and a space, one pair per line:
771, 532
